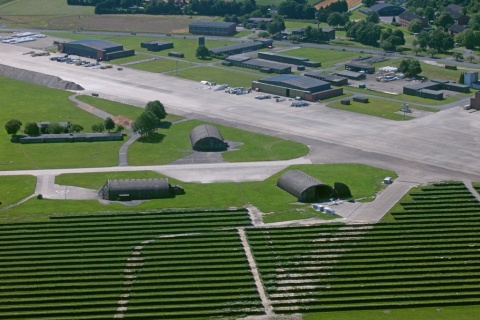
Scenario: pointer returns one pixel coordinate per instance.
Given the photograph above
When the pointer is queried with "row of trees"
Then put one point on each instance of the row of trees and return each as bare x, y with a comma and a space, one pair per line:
148, 122
13, 126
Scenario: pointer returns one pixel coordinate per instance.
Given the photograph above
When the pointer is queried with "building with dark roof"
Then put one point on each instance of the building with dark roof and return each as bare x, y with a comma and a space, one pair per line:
360, 67
238, 48
431, 89
351, 75
288, 59
458, 16
304, 187
406, 17
333, 79
254, 22
293, 86
156, 45
455, 29
258, 64
207, 138
73, 137
212, 28
384, 9
96, 49
136, 189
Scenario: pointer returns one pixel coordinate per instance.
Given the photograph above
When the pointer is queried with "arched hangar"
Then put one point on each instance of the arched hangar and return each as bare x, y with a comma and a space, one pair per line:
304, 187
137, 189
207, 138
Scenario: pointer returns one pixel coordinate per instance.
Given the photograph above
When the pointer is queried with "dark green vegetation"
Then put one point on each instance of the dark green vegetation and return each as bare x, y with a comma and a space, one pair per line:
427, 256
80, 267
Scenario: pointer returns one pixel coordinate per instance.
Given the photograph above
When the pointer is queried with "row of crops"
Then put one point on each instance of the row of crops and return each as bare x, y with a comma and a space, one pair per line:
429, 256
134, 266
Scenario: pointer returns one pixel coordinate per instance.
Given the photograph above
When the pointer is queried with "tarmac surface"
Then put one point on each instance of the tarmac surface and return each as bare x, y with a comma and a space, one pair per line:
440, 146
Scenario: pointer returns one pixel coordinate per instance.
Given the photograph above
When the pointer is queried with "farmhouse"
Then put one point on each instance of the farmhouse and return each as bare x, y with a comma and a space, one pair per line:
136, 189
95, 49
257, 64
212, 28
304, 187
293, 86
384, 9
156, 45
207, 138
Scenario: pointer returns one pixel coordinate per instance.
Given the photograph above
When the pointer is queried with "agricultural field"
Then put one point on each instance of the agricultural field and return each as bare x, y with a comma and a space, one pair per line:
423, 263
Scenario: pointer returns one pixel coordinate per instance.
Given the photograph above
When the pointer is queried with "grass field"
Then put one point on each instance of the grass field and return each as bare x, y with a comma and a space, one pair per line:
364, 181
33, 103
173, 143
375, 107
43, 8
15, 188
328, 58
117, 108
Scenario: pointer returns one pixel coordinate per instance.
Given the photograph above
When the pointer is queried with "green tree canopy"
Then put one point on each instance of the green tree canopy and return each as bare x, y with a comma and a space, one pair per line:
75, 128
98, 127
372, 17
157, 108
415, 26
202, 52
410, 67
13, 126
145, 124
109, 124
55, 128
31, 128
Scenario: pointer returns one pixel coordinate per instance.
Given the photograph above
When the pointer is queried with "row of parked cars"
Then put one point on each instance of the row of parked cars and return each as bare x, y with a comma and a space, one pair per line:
79, 62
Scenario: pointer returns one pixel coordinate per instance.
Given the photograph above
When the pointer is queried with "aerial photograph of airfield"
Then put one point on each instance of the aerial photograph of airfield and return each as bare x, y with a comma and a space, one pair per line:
250, 160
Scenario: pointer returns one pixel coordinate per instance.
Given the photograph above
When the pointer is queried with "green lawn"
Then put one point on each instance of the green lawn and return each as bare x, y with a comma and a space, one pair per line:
161, 65
328, 58
376, 107
15, 188
173, 143
221, 75
118, 108
33, 103
409, 98
364, 181
44, 7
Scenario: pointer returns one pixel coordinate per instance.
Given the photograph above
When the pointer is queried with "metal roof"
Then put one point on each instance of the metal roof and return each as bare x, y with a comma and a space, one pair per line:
324, 76
422, 85
294, 80
238, 58
205, 131
96, 44
211, 24
237, 46
379, 6
283, 56
409, 16
268, 64
347, 74
297, 183
159, 42
359, 65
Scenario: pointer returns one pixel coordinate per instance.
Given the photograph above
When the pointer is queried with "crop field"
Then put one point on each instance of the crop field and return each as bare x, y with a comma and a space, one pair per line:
183, 264
142, 265
428, 256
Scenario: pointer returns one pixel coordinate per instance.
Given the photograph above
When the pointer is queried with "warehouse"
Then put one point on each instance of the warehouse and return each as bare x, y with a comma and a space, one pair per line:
330, 78
425, 90
101, 50
304, 187
207, 138
137, 189
294, 86
156, 45
288, 59
360, 67
262, 65
351, 75
73, 137
384, 9
237, 48
212, 28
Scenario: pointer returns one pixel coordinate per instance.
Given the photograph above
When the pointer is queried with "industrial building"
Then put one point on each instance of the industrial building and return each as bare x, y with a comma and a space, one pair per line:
335, 80
294, 86
138, 189
101, 50
351, 75
156, 45
207, 138
212, 28
304, 187
73, 137
360, 67
288, 59
430, 89
262, 65
254, 22
238, 48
